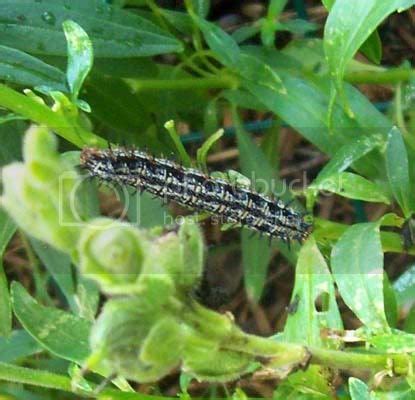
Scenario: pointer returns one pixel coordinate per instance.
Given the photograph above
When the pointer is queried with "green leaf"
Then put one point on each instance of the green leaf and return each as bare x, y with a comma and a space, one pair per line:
206, 146
146, 212
118, 395
11, 117
210, 117
391, 306
59, 332
80, 56
405, 287
5, 306
174, 104
192, 253
349, 24
391, 219
327, 232
201, 7
259, 72
308, 55
244, 33
243, 99
358, 389
24, 69
219, 41
139, 67
328, 3
304, 107
268, 29
275, 8
312, 384
7, 229
314, 287
398, 172
180, 20
269, 23
89, 297
352, 186
88, 196
114, 105
270, 145
395, 342
113, 31
11, 134
297, 26
409, 325
63, 119
256, 255
185, 380
59, 266
19, 345
357, 265
343, 159
372, 48
255, 166
63, 334
348, 154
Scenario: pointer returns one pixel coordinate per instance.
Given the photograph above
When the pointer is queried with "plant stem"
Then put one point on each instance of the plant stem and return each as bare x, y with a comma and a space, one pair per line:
197, 37
280, 353
185, 158
13, 373
43, 115
221, 82
378, 77
49, 380
301, 355
288, 353
348, 360
152, 5
203, 55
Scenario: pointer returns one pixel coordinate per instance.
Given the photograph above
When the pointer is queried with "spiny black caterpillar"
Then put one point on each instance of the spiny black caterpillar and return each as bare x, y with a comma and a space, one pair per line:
193, 189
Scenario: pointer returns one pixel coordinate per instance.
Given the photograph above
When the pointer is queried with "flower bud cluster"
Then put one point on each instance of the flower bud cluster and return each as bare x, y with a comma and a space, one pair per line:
151, 323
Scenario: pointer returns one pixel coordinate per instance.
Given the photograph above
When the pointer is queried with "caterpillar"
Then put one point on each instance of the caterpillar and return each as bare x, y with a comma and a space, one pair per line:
195, 190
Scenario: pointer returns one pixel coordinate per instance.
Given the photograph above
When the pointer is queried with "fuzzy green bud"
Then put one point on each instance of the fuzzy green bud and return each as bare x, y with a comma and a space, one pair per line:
164, 343
191, 252
35, 196
136, 340
206, 361
211, 324
112, 253
41, 158
178, 255
165, 255
158, 287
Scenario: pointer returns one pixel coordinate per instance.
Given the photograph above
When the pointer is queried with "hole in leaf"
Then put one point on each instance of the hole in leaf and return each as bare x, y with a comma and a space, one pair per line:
321, 302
